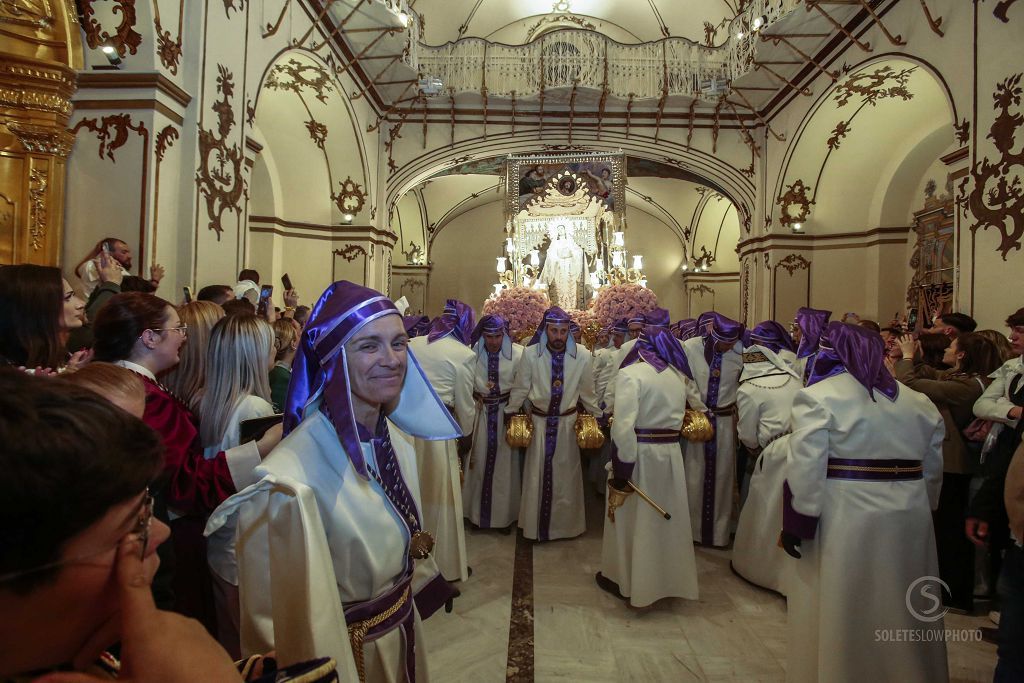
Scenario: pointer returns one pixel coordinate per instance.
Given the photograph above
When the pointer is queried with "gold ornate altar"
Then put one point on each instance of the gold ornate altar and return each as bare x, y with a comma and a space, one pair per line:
40, 52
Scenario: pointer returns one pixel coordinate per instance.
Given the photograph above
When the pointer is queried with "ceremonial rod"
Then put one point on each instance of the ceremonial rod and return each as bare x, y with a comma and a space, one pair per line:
643, 494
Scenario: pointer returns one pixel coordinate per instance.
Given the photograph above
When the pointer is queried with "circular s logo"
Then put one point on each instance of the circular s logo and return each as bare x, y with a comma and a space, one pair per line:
924, 598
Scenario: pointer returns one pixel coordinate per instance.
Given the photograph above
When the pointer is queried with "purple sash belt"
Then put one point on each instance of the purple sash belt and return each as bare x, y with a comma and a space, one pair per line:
657, 435
874, 470
541, 413
371, 619
492, 400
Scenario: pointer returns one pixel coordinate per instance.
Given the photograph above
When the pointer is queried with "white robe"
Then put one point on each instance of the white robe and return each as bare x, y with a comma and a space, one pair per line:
724, 484
874, 539
336, 539
764, 405
533, 383
611, 369
649, 557
449, 366
504, 484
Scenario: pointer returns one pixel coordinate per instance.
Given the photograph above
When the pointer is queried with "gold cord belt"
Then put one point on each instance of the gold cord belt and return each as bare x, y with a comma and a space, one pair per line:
357, 631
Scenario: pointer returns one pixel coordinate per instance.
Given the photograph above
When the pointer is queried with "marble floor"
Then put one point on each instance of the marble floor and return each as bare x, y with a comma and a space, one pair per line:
734, 632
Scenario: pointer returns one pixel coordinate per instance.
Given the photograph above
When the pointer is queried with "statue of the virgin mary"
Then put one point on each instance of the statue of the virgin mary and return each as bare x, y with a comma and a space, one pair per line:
564, 270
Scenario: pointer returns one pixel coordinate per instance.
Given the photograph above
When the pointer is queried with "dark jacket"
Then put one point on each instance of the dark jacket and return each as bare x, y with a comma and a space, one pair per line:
954, 395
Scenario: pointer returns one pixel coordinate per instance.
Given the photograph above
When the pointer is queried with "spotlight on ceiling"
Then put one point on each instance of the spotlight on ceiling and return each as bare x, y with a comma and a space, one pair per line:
431, 86
759, 23
739, 35
347, 218
798, 227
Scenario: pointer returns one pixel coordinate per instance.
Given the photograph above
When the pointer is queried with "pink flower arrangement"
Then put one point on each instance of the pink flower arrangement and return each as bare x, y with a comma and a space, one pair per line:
522, 307
622, 301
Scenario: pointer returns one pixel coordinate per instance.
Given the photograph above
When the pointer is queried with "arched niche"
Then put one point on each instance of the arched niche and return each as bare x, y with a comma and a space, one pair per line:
855, 160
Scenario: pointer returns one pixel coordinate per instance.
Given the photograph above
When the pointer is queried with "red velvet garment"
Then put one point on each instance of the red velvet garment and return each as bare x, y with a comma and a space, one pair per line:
194, 484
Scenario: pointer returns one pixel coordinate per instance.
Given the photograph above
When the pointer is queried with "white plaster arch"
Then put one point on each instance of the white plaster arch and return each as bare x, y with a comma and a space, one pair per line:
804, 155
719, 174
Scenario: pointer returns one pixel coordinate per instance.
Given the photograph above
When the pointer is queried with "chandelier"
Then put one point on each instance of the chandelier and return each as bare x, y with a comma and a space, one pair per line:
612, 265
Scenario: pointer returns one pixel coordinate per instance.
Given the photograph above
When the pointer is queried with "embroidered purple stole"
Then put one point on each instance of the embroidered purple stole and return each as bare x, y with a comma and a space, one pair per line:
551, 442
493, 412
707, 509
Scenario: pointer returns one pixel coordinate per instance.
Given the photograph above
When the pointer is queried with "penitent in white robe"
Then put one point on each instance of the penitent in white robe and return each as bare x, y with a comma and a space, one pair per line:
294, 576
490, 495
449, 366
552, 503
711, 493
649, 557
764, 404
873, 540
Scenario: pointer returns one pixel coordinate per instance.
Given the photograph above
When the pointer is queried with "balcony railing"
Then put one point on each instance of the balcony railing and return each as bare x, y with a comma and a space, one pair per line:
572, 57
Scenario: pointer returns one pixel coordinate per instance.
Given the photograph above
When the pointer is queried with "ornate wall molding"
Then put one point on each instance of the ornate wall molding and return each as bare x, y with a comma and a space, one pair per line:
164, 140
350, 197
168, 49
112, 132
38, 139
219, 177
793, 263
350, 252
796, 196
37, 183
125, 38
996, 199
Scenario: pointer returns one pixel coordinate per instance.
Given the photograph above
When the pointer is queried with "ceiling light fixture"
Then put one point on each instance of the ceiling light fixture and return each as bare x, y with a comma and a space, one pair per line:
758, 23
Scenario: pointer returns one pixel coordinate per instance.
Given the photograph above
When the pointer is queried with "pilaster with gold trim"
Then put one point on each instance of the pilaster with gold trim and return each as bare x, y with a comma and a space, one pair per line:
40, 51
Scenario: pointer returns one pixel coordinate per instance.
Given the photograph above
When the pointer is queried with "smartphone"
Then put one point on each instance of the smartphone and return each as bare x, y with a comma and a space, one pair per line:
912, 320
188, 294
265, 292
106, 247
286, 281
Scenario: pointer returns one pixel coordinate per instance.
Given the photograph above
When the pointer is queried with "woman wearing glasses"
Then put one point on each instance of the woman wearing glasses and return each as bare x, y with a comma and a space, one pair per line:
74, 515
143, 333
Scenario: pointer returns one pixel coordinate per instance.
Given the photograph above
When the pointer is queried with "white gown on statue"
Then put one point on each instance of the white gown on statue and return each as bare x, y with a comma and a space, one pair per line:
563, 271
724, 484
505, 475
533, 383
649, 557
764, 401
449, 366
874, 539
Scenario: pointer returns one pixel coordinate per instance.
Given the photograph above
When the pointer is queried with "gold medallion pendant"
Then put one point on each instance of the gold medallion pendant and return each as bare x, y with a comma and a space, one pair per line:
421, 544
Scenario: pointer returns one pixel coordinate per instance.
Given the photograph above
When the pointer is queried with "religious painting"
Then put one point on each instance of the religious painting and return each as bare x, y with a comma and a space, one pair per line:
601, 175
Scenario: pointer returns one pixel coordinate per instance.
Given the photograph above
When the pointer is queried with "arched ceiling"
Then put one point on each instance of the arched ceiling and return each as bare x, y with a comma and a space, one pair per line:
701, 218
519, 22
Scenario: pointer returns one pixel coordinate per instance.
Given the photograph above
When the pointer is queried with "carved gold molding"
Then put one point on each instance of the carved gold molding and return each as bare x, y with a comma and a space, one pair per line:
42, 139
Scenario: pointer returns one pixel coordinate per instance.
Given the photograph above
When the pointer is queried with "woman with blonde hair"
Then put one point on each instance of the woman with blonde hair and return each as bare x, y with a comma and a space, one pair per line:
286, 343
187, 378
238, 360
1001, 342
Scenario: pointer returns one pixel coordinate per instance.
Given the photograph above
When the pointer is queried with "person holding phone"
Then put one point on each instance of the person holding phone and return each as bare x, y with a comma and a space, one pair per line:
89, 269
